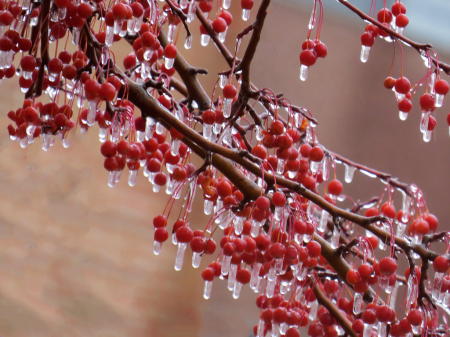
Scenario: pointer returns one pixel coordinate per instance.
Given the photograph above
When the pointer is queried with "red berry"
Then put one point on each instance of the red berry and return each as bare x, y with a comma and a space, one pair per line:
367, 39
219, 25
308, 58
278, 199
415, 317
226, 16
401, 21
388, 266
384, 15
441, 264
170, 51
229, 91
321, 49
308, 44
335, 187
427, 102
352, 277
441, 87
398, 8
402, 85
316, 154
405, 105
247, 4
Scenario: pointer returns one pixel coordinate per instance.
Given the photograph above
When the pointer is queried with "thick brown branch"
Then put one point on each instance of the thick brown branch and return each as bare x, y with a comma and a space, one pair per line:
189, 77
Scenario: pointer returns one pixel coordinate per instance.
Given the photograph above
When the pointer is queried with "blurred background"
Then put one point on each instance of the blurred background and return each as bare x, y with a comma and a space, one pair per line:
76, 257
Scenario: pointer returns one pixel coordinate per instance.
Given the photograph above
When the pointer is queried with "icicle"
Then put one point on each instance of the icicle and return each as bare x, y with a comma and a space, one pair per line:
323, 221
303, 72
175, 147
278, 266
256, 225
188, 42
207, 289
24, 142
196, 259
381, 245
191, 12
66, 143
208, 206
237, 290
313, 310
92, 111
427, 136
226, 4
112, 178
76, 34
207, 131
275, 329
159, 128
46, 142
226, 261
335, 237
314, 166
325, 170
270, 288
424, 121
132, 177
365, 53
118, 174
280, 166
232, 276
260, 329
245, 14
381, 329
393, 297
439, 100
367, 330
349, 172
204, 40
437, 285
168, 62
279, 210
357, 304
157, 247
227, 107
180, 255
403, 115
432, 83
238, 224
255, 274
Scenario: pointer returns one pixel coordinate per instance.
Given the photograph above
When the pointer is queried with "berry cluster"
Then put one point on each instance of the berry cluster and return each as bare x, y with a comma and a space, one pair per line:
277, 231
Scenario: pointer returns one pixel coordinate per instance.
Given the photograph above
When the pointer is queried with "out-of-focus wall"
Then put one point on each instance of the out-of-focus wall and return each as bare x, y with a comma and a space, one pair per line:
76, 257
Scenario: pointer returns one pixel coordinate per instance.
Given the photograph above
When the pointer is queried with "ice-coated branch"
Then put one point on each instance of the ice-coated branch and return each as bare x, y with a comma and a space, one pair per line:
417, 46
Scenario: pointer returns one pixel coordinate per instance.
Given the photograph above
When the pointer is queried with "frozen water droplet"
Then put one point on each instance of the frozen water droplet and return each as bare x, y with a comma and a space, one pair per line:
369, 174
245, 14
157, 247
188, 42
349, 173
204, 40
303, 72
180, 255
207, 289
364, 53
